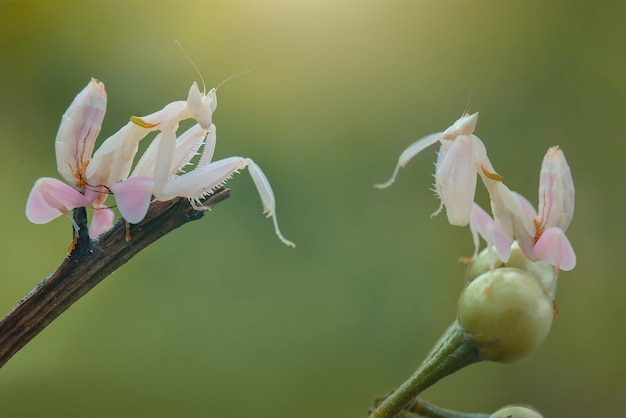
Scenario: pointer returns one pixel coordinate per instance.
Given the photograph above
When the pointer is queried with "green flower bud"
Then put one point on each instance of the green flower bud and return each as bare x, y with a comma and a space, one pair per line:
516, 412
506, 313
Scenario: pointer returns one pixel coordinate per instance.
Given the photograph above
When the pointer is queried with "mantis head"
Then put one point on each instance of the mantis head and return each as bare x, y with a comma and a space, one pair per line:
465, 125
201, 106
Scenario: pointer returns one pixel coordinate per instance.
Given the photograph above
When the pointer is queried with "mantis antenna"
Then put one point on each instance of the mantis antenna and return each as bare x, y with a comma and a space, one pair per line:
467, 105
194, 66
200, 74
230, 78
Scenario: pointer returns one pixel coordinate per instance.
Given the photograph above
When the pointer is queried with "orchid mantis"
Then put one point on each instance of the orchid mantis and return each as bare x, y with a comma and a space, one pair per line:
156, 174
461, 157
133, 194
538, 234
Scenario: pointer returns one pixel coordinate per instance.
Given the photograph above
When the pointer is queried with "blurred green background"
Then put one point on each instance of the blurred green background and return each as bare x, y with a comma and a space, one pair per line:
219, 318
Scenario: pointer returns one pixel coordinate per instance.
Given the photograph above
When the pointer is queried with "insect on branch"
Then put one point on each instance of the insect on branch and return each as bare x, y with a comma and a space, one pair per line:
88, 263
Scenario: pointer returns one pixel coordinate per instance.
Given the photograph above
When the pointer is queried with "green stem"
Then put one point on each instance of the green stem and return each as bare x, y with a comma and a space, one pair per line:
425, 409
452, 352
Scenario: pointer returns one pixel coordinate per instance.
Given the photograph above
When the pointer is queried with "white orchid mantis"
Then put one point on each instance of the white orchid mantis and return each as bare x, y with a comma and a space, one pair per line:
461, 157
160, 180
539, 234
156, 174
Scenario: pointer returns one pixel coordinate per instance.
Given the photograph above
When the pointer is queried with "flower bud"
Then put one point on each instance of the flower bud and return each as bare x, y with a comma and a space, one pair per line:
506, 313
516, 412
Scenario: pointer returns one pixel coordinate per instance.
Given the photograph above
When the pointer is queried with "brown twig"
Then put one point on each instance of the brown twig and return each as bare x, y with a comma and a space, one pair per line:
89, 262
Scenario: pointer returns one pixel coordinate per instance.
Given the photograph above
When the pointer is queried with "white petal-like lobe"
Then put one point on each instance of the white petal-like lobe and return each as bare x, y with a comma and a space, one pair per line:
455, 180
491, 232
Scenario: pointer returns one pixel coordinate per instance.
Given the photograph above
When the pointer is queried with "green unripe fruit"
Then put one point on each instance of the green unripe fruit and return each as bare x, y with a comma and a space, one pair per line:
516, 412
506, 313
540, 269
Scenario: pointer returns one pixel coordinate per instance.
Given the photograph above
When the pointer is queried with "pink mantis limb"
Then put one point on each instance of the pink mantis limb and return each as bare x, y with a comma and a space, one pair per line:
516, 215
203, 180
133, 197
496, 238
508, 212
79, 128
556, 191
554, 247
555, 212
51, 198
101, 221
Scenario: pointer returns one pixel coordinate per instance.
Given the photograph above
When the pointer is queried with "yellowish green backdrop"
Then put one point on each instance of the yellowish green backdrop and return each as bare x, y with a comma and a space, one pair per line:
219, 319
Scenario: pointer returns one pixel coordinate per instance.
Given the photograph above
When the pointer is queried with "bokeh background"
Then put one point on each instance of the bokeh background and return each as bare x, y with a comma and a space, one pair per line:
219, 318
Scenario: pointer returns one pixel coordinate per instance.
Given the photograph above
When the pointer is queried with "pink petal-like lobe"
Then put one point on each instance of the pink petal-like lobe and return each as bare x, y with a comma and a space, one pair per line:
491, 232
553, 247
101, 221
51, 198
133, 197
